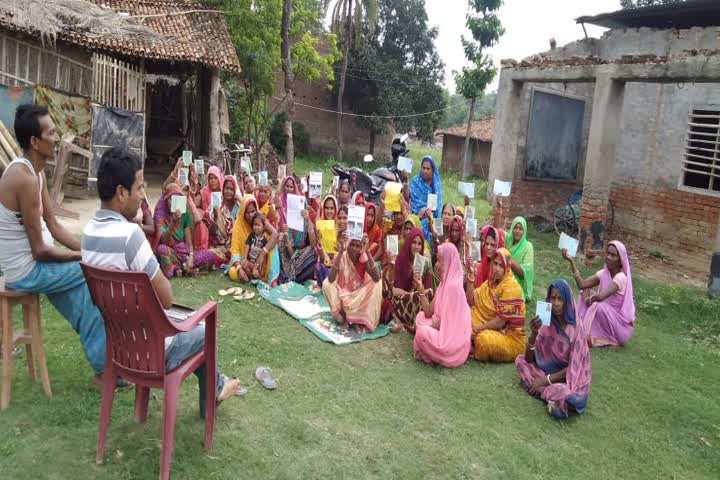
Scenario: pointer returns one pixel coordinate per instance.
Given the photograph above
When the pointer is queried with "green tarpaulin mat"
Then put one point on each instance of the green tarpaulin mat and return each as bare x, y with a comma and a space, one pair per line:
311, 310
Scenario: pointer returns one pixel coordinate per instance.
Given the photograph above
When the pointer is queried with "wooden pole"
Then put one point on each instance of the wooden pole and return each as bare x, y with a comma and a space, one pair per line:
466, 149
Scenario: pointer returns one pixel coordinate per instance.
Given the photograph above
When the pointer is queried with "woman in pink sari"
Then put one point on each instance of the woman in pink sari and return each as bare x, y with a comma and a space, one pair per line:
442, 328
609, 314
353, 288
556, 363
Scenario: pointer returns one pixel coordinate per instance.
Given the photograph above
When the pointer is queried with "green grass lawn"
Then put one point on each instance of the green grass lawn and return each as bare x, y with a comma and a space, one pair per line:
369, 410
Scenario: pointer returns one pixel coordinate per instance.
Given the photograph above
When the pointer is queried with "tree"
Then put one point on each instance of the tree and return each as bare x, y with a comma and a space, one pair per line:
255, 28
347, 21
484, 107
626, 4
486, 29
396, 71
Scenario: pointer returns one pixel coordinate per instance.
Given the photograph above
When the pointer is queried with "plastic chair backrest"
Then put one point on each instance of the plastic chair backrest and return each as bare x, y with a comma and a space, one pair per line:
135, 323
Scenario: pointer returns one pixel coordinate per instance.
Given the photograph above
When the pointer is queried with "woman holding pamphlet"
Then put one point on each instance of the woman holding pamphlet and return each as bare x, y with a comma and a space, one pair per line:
523, 258
556, 362
288, 186
402, 301
297, 250
498, 313
331, 230
222, 217
174, 236
373, 231
353, 288
609, 314
263, 195
242, 229
442, 332
425, 183
491, 239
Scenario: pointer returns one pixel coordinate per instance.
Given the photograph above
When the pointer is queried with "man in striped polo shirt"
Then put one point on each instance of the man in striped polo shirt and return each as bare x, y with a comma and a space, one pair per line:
110, 240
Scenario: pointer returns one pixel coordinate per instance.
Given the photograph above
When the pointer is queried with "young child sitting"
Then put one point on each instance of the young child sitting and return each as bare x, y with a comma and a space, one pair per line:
254, 245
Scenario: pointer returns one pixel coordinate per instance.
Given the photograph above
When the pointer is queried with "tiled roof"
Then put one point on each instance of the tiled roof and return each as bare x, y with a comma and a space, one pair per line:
483, 130
200, 37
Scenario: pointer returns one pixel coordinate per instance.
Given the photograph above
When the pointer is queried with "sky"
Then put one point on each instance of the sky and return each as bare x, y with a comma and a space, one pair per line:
529, 25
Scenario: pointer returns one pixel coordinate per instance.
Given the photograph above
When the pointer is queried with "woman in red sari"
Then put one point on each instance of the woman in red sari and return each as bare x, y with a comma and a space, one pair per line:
373, 231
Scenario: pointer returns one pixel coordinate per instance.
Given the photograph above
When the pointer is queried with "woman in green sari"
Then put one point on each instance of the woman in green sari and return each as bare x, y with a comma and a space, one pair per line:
523, 257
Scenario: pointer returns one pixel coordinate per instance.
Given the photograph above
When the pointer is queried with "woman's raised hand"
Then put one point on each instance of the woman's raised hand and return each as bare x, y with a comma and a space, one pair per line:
535, 325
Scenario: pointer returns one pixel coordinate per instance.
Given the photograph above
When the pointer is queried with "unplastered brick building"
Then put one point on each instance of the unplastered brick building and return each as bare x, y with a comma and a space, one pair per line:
632, 119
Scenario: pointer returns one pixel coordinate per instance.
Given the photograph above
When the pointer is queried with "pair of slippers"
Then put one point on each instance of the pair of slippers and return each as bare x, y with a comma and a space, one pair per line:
238, 294
263, 375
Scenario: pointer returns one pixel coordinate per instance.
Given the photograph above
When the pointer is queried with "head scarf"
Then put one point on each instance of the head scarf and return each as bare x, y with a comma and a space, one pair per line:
403, 271
460, 212
356, 197
419, 191
627, 310
206, 191
482, 271
236, 190
323, 216
448, 235
566, 294
522, 253
340, 185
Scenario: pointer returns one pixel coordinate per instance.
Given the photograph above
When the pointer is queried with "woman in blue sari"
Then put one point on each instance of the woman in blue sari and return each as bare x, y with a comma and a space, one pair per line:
556, 363
421, 185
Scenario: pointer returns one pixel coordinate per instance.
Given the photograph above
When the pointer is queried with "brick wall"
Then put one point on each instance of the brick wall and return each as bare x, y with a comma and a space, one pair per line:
322, 125
538, 198
670, 220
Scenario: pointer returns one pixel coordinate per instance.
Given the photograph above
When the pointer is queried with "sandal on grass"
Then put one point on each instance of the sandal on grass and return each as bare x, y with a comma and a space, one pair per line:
245, 296
264, 376
231, 291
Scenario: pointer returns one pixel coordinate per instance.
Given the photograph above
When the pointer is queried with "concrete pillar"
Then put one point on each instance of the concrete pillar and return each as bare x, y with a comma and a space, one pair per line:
214, 113
604, 136
714, 278
508, 131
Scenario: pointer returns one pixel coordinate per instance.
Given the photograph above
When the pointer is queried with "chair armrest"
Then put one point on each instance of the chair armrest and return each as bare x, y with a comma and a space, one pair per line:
202, 313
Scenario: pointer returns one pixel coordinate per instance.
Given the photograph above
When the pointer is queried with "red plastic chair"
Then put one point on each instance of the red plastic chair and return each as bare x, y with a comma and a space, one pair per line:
136, 326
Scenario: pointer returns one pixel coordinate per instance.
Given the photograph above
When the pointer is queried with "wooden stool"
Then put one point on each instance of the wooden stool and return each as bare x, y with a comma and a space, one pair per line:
30, 336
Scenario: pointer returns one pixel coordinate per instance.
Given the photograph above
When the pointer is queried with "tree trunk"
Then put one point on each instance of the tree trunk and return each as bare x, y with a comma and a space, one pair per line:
214, 113
287, 68
372, 141
467, 164
341, 92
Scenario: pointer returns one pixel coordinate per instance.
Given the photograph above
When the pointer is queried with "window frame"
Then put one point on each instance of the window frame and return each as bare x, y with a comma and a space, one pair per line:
714, 177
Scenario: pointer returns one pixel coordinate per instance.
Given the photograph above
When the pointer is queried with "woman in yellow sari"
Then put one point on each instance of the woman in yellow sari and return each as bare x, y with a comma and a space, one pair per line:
241, 231
498, 313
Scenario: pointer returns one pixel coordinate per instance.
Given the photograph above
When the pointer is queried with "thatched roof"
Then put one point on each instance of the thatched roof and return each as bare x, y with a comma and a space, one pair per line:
483, 130
118, 26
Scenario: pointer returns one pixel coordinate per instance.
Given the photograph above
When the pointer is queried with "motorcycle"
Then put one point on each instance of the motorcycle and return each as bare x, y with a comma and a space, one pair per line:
372, 184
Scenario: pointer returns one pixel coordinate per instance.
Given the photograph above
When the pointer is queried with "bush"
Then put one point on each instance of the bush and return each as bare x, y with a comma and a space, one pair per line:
301, 138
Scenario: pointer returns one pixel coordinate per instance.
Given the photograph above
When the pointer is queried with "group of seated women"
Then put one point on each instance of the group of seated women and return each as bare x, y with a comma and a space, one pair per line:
457, 307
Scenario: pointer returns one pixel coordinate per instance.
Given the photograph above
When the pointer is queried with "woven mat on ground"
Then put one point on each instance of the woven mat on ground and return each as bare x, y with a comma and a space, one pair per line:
311, 310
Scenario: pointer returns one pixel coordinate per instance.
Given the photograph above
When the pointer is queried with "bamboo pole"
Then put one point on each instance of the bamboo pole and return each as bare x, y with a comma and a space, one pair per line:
10, 140
4, 159
8, 149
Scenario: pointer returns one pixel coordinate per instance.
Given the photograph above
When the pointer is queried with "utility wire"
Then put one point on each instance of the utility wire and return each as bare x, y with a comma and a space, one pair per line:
383, 117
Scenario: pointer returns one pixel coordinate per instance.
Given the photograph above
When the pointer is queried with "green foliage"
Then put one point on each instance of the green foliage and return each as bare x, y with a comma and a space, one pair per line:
278, 139
627, 4
395, 70
486, 29
364, 14
254, 27
455, 116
